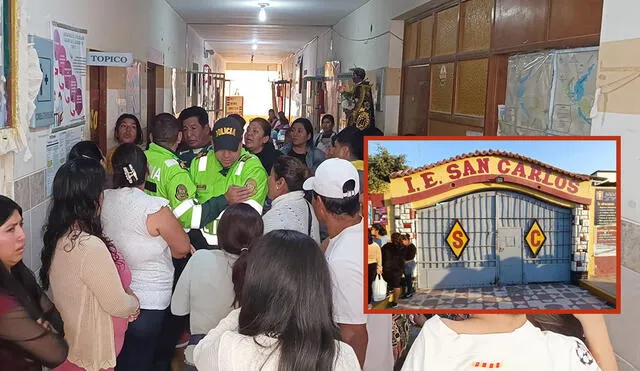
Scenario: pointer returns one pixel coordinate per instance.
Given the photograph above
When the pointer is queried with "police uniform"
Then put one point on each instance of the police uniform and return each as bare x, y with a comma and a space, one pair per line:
168, 178
213, 180
188, 155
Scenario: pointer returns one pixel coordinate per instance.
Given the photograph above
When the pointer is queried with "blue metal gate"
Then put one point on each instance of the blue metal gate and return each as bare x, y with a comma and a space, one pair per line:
483, 215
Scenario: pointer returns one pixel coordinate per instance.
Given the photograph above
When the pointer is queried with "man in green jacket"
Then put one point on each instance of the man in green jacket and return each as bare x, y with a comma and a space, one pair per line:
168, 178
227, 168
196, 134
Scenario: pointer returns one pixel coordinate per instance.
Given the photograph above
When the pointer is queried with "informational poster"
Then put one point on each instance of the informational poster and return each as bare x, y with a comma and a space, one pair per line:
605, 207
550, 93
605, 222
70, 74
132, 90
58, 146
3, 79
43, 116
235, 104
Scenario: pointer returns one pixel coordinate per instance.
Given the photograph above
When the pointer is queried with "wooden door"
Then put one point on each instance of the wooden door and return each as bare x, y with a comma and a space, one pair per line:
98, 106
151, 95
415, 100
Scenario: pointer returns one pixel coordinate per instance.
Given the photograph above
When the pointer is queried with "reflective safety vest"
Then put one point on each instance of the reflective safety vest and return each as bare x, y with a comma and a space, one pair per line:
207, 173
169, 179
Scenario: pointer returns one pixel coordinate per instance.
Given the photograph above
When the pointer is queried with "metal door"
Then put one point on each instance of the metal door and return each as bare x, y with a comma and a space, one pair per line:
509, 244
493, 219
553, 263
477, 266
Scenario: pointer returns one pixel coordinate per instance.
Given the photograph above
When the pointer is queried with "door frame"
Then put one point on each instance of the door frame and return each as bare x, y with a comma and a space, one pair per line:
98, 115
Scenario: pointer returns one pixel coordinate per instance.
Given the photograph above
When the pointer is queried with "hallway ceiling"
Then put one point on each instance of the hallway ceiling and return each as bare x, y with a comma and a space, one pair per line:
231, 26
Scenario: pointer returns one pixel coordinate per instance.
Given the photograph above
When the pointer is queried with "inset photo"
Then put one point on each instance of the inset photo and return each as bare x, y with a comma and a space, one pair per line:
493, 224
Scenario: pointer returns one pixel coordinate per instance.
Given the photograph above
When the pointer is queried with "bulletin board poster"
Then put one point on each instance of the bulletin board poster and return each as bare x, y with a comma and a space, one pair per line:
132, 90
59, 145
235, 104
3, 79
70, 75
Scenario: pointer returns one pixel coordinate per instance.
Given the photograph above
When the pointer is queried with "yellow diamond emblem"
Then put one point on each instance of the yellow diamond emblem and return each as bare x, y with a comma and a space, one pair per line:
457, 239
535, 238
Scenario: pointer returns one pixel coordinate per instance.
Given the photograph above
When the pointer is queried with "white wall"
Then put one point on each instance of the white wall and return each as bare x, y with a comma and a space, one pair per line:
113, 25
620, 23
372, 19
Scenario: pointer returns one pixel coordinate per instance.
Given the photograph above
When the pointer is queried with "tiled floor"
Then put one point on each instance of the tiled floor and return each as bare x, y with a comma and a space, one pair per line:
533, 296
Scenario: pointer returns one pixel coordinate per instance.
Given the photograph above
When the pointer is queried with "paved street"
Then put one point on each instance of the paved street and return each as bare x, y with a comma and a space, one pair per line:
533, 296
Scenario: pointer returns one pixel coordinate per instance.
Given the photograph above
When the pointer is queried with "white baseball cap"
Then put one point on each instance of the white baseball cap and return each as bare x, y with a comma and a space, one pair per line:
331, 179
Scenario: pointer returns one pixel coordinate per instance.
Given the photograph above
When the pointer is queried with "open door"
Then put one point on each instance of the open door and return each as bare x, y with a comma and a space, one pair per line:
415, 100
98, 106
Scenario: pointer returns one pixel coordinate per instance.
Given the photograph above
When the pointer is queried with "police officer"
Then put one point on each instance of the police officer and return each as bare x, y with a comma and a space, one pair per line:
229, 166
196, 134
168, 178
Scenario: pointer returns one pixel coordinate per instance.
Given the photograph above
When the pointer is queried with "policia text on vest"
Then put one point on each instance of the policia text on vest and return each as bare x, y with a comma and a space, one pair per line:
213, 180
170, 180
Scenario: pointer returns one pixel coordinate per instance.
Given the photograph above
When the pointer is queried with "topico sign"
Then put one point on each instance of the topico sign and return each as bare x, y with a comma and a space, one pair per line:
457, 239
535, 238
495, 169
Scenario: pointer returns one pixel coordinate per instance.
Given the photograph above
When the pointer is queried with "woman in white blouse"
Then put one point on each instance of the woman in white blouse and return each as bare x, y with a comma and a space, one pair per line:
289, 209
147, 234
286, 318
206, 289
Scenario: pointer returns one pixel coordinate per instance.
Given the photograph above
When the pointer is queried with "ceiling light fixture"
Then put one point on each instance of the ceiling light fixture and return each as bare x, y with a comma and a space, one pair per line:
262, 15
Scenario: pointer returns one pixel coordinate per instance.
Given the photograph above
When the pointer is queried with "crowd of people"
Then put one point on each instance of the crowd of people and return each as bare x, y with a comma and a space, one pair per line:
147, 250
241, 243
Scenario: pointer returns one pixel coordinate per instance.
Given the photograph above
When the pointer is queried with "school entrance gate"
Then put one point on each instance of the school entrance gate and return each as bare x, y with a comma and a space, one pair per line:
495, 223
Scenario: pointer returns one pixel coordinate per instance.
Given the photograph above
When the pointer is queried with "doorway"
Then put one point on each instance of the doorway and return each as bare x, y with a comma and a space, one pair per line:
415, 100
98, 106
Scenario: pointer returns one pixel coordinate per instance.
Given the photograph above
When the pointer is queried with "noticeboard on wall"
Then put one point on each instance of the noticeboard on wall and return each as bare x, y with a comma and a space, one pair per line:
235, 105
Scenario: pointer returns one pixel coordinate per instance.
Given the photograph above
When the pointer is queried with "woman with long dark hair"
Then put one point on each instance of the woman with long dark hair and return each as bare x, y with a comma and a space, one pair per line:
127, 130
80, 265
285, 321
257, 140
205, 290
86, 149
30, 326
301, 146
148, 235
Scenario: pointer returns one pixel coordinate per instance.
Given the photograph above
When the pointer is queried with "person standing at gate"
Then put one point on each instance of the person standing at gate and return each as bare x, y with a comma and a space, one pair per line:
196, 134
409, 266
379, 234
393, 255
226, 176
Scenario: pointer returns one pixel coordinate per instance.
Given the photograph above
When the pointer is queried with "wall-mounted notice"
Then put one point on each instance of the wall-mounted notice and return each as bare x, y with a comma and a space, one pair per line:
132, 89
58, 146
605, 207
70, 74
43, 116
235, 104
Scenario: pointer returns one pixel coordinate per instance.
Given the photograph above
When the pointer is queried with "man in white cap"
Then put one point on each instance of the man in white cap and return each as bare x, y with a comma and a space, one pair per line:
336, 202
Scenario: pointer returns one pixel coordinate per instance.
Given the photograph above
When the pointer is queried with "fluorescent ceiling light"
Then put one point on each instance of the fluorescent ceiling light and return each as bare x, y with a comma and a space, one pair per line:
262, 15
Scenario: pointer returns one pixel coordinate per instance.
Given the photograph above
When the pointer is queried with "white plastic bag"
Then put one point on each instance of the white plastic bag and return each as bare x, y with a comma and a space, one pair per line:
379, 288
